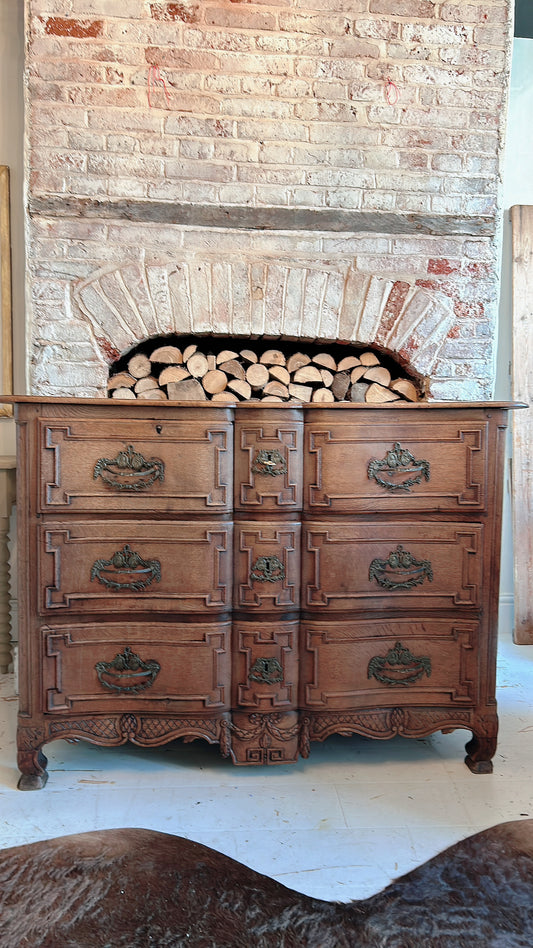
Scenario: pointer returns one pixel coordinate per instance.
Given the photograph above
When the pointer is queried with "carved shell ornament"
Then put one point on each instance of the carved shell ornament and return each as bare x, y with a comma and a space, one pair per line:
398, 470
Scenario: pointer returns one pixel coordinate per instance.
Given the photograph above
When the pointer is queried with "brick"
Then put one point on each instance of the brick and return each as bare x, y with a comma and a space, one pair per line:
65, 26
183, 12
410, 8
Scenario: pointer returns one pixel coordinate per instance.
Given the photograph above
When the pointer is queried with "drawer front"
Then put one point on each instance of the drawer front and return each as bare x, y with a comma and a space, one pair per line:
396, 565
140, 466
268, 462
117, 566
109, 667
265, 665
418, 466
373, 663
267, 565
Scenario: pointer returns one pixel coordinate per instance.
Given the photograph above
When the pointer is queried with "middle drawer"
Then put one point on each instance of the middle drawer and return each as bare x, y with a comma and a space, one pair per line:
117, 566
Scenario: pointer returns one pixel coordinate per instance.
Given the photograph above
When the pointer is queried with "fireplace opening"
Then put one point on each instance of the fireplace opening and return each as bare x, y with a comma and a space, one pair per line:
229, 369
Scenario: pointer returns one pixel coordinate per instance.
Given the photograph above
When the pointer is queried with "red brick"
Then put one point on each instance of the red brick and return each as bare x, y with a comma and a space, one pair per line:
442, 266
82, 29
174, 11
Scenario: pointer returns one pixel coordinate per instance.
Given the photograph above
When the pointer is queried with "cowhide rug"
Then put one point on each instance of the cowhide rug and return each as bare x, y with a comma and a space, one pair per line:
134, 888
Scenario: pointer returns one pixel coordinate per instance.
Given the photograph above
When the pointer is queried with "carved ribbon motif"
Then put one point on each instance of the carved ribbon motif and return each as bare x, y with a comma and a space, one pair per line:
129, 470
127, 673
269, 461
267, 671
398, 470
400, 571
268, 569
399, 666
126, 570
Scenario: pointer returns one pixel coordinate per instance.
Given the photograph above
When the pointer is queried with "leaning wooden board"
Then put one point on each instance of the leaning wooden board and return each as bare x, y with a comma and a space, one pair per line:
522, 223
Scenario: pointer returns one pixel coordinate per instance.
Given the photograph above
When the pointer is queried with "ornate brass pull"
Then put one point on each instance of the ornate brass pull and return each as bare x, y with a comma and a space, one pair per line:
126, 570
127, 673
129, 470
400, 571
398, 470
268, 569
399, 666
269, 461
267, 671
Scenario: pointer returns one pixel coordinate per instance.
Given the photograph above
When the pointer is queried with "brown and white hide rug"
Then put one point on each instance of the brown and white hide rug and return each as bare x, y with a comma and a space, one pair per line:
135, 888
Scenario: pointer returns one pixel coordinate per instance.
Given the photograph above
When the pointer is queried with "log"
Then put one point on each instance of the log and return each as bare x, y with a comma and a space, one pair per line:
233, 368
378, 373
271, 398
241, 387
405, 388
123, 393
323, 395
211, 362
214, 381
369, 358
327, 378
280, 373
340, 385
297, 360
325, 360
173, 373
189, 351
249, 356
358, 372
190, 390
223, 397
197, 365
276, 388
121, 380
227, 355
349, 362
257, 375
167, 354
139, 366
303, 393
145, 384
307, 374
272, 357
156, 394
378, 394
358, 392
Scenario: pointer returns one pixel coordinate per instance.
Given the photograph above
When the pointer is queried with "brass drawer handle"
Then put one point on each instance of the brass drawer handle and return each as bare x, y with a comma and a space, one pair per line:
400, 571
126, 570
129, 471
269, 461
399, 666
127, 673
267, 671
398, 470
268, 569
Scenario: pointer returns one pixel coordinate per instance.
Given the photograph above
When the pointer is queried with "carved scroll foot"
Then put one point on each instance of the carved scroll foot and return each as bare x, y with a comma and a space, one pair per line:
32, 765
480, 751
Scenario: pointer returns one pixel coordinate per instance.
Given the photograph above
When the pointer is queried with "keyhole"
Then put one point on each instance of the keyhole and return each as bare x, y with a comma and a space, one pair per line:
159, 428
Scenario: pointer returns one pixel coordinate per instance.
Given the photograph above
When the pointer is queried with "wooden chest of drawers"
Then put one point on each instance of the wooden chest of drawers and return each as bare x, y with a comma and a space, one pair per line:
257, 576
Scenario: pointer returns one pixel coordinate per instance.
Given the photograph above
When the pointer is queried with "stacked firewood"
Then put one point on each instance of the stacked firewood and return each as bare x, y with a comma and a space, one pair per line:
188, 374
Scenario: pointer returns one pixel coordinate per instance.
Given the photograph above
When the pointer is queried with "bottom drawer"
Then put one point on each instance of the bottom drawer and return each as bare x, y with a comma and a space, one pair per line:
377, 662
106, 667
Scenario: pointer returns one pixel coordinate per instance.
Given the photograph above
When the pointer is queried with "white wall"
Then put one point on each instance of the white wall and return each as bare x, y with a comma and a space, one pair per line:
11, 154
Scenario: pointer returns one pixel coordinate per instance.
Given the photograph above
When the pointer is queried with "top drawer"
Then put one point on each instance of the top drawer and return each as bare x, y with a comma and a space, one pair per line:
136, 465
268, 460
413, 466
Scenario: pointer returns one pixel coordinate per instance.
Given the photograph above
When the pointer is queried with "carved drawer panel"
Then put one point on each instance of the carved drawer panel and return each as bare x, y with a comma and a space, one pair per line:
373, 663
265, 665
107, 666
267, 565
268, 460
141, 466
117, 566
419, 466
397, 565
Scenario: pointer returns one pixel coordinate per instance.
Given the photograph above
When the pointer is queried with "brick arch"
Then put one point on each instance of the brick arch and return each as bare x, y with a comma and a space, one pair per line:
264, 297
